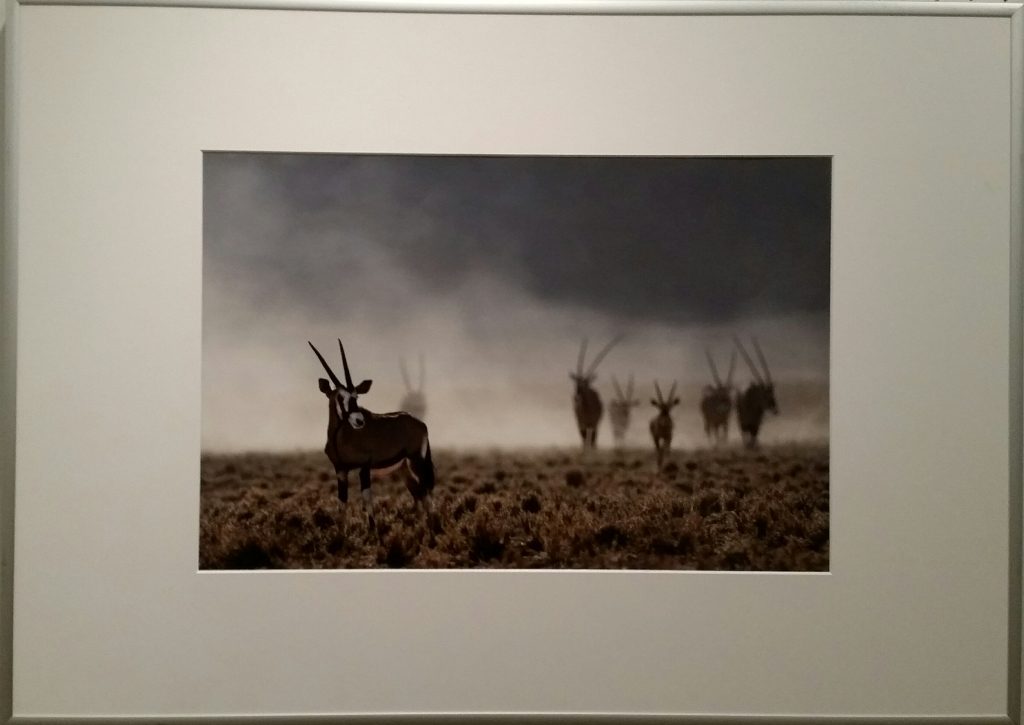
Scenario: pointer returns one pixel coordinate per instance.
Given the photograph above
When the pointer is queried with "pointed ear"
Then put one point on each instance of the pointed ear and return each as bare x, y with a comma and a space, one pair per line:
675, 401
364, 386
325, 387
654, 402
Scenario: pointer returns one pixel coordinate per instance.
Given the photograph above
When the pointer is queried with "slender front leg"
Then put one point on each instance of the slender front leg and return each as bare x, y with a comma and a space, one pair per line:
342, 477
364, 485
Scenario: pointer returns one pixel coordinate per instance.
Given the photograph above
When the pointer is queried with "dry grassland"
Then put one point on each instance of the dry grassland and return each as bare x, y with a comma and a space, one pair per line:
731, 509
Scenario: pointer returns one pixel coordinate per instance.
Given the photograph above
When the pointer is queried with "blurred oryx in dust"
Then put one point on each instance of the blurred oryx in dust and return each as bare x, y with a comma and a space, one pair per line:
586, 403
620, 408
758, 398
414, 402
661, 424
716, 401
358, 440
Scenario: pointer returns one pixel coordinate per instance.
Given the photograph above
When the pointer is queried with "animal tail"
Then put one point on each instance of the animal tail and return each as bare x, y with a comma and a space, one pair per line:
426, 466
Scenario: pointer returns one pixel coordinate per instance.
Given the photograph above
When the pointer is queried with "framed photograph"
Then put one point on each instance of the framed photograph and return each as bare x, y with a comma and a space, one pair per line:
544, 360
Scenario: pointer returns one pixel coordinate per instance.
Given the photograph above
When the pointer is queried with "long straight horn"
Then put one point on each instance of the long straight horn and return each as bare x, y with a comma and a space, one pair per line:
618, 390
764, 363
330, 373
672, 393
601, 355
714, 370
405, 375
344, 361
629, 388
732, 367
582, 356
657, 389
746, 358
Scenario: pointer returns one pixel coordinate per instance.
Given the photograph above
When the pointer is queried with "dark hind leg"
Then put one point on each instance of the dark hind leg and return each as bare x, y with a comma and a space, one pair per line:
367, 493
419, 481
413, 483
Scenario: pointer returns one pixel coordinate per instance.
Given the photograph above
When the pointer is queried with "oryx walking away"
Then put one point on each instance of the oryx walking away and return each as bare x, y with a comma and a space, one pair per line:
586, 403
414, 402
358, 440
716, 402
662, 425
619, 409
758, 398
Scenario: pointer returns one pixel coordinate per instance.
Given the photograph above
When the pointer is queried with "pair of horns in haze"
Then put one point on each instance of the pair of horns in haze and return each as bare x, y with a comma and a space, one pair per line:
597, 360
349, 386
628, 395
408, 381
671, 399
763, 376
766, 379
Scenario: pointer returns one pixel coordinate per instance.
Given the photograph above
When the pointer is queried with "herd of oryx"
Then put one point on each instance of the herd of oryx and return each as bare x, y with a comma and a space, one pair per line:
716, 403
366, 442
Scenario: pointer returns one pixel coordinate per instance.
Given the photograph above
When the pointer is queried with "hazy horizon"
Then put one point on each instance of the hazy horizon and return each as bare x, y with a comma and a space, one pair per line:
494, 269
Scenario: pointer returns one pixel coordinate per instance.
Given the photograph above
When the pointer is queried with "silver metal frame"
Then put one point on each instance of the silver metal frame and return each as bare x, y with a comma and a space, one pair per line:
987, 8
9, 93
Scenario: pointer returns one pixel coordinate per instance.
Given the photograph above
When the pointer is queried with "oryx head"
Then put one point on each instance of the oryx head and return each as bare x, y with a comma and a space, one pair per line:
344, 396
663, 404
625, 399
762, 387
585, 378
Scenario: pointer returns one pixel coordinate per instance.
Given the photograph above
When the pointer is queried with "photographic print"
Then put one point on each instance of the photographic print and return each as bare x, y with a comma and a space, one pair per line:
415, 361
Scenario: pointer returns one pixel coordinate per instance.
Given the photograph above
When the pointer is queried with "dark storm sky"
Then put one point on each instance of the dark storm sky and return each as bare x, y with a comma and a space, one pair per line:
669, 239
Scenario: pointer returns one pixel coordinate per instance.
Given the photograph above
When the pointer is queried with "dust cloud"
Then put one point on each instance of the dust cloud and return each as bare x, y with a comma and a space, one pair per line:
497, 367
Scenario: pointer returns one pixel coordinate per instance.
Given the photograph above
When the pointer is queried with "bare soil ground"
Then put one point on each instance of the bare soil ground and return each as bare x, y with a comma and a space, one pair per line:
729, 509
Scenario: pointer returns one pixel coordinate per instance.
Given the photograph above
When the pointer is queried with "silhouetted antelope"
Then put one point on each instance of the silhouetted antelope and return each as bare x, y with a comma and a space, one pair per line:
759, 396
716, 401
586, 403
358, 440
414, 402
661, 424
620, 408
